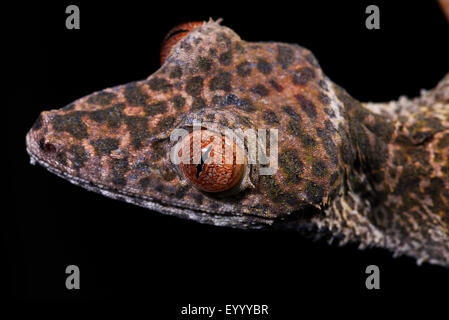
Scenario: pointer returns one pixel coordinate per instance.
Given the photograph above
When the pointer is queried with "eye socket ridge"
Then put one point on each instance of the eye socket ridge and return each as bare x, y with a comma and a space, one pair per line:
175, 35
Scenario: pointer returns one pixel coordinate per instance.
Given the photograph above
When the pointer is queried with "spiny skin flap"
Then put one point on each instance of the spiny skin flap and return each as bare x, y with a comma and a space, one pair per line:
376, 174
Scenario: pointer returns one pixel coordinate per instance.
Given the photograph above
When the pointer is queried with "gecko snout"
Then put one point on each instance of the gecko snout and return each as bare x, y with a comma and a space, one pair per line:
40, 140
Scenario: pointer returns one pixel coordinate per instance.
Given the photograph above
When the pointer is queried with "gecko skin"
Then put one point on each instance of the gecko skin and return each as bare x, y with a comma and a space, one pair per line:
371, 173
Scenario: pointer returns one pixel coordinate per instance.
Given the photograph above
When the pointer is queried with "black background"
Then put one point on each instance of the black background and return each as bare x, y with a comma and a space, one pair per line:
127, 252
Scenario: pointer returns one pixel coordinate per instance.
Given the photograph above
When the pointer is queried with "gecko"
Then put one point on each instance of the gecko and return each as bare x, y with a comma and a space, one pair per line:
375, 174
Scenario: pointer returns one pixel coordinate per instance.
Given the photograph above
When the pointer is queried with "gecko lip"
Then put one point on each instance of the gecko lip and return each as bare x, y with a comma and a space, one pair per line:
218, 219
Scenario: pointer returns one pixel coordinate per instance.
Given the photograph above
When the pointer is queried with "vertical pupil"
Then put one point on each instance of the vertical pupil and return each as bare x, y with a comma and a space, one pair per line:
204, 157
199, 168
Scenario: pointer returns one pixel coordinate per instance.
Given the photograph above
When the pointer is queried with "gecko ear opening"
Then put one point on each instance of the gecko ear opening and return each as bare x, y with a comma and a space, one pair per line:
175, 35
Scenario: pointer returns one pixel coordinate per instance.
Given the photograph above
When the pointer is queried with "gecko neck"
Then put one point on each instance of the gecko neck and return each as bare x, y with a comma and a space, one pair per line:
397, 187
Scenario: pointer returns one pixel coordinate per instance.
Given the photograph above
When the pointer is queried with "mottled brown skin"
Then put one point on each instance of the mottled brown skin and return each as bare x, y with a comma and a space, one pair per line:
376, 174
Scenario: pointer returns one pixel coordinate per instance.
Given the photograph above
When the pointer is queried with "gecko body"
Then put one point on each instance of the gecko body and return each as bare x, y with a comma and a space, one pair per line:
375, 174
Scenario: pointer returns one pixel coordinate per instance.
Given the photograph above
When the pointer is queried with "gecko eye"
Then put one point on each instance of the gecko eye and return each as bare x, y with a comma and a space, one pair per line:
211, 162
176, 34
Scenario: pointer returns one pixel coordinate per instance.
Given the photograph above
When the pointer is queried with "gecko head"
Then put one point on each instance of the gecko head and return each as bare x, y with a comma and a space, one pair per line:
239, 101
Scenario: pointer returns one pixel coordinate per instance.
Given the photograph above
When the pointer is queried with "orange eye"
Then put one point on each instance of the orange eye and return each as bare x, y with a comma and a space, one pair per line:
211, 162
176, 34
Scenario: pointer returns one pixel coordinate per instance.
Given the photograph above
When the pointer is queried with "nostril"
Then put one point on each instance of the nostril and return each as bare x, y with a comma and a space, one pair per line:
46, 146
